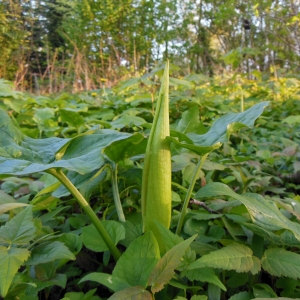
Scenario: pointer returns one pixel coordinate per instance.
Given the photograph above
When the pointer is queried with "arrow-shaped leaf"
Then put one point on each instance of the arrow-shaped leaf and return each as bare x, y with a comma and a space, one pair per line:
219, 131
21, 155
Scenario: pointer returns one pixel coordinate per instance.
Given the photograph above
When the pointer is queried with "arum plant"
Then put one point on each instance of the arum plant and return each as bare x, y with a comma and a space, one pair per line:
156, 184
84, 154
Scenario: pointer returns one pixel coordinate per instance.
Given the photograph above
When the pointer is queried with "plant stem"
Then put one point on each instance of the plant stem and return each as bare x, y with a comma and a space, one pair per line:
189, 193
58, 173
115, 189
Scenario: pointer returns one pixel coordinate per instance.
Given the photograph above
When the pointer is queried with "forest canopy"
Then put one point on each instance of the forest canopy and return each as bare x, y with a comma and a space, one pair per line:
74, 45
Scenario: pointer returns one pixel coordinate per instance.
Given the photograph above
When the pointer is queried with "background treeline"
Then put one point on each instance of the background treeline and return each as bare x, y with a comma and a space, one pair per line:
54, 45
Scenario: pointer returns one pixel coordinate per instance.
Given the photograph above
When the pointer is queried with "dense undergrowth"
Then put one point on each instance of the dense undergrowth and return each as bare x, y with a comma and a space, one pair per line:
240, 237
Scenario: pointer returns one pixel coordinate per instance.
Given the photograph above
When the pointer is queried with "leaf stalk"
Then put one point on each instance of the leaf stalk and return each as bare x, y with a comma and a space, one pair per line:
188, 195
58, 173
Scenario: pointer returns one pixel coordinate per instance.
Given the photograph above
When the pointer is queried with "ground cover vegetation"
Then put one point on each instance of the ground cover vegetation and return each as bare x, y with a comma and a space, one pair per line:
81, 193
124, 176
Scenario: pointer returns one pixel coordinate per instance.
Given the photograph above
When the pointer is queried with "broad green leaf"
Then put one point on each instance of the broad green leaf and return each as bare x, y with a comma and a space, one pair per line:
205, 275
286, 237
92, 239
127, 120
42, 115
291, 120
20, 230
137, 262
10, 261
123, 149
132, 293
280, 262
72, 241
16, 104
217, 132
21, 155
113, 283
232, 257
73, 118
189, 121
192, 227
9, 206
220, 130
241, 296
165, 268
49, 251
264, 213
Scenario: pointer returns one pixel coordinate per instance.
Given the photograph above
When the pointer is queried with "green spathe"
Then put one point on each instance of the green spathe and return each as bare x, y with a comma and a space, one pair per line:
156, 186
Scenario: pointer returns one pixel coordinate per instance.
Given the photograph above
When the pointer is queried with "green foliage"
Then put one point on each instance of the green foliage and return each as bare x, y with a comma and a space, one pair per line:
93, 241
17, 239
238, 205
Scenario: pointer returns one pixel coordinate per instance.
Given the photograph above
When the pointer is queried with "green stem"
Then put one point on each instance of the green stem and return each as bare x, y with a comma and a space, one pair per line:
189, 193
88, 210
115, 189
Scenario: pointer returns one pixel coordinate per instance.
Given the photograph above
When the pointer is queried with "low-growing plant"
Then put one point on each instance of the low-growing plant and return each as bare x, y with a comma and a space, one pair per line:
206, 238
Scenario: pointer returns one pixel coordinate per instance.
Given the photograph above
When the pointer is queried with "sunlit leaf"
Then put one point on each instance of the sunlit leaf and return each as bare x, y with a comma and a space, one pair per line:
264, 213
49, 251
232, 257
92, 239
136, 264
165, 268
20, 229
280, 262
10, 261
